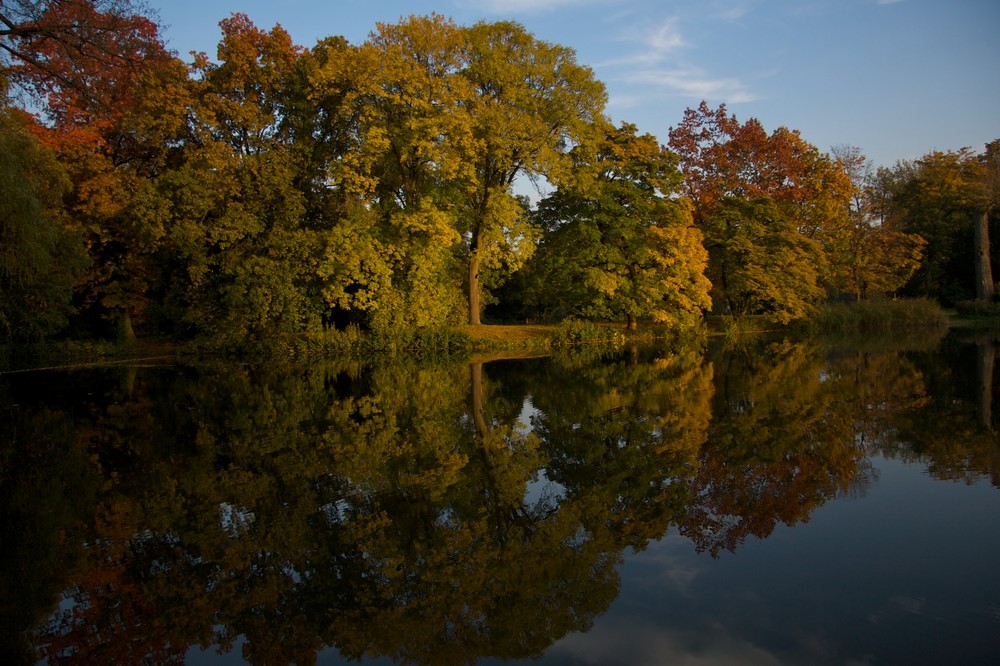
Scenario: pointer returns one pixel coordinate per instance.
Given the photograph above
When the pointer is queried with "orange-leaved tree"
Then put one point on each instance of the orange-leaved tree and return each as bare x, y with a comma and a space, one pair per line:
727, 163
112, 108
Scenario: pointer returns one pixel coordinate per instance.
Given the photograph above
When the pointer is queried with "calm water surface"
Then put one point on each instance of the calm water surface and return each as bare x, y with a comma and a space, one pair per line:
786, 502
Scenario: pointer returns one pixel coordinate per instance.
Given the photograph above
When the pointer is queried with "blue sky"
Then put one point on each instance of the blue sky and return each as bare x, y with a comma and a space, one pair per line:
897, 78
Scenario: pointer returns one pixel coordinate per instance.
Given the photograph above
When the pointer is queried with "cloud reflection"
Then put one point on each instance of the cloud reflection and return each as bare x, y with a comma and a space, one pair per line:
646, 644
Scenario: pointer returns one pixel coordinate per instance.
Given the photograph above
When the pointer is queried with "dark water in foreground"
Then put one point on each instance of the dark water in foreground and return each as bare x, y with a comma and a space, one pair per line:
787, 503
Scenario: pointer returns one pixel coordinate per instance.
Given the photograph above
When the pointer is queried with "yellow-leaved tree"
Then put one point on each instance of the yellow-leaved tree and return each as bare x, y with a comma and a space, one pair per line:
446, 118
531, 103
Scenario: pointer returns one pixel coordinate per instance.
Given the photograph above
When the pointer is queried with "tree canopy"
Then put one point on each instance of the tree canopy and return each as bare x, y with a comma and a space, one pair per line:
618, 244
766, 203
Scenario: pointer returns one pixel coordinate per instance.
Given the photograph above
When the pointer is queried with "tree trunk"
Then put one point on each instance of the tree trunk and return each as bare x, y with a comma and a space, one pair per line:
125, 331
128, 382
631, 324
501, 514
984, 271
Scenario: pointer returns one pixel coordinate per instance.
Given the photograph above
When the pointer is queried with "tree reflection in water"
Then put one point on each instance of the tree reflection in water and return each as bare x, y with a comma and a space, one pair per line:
392, 508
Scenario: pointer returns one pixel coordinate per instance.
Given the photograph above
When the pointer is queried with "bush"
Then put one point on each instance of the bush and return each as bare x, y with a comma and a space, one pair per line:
576, 332
744, 327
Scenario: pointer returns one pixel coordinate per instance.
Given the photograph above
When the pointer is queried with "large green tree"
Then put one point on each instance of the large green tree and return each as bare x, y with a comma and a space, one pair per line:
447, 118
234, 209
531, 102
759, 263
618, 243
397, 257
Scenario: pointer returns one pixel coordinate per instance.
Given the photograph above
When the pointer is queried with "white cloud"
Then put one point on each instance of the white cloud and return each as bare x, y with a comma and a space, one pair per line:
653, 63
522, 6
730, 12
644, 644
666, 38
652, 44
692, 82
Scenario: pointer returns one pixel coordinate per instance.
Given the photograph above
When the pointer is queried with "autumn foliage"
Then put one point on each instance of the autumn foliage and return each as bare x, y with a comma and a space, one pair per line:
269, 189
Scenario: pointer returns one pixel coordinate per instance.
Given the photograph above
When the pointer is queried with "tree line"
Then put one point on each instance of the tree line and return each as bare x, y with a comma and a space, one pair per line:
275, 189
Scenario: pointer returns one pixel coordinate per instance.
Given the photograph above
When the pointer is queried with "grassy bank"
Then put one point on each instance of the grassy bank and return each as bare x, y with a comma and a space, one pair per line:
459, 340
480, 338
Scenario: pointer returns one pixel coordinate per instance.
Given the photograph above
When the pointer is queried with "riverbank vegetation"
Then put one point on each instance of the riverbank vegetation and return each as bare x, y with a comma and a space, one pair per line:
378, 196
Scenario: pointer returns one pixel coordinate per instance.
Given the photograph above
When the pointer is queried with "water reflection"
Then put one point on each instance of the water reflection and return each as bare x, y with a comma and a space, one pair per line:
405, 509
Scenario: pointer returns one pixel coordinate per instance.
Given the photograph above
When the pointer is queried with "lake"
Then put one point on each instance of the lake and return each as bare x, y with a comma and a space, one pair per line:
776, 502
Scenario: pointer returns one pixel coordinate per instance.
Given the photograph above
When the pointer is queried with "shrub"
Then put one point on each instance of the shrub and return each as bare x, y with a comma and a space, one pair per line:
576, 332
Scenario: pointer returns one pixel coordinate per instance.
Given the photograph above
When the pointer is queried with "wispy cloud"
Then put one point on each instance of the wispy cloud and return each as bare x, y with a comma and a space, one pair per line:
694, 83
522, 6
652, 45
655, 63
666, 38
730, 11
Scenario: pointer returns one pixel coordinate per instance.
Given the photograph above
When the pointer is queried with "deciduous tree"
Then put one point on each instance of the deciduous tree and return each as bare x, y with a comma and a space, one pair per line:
531, 102
39, 38
759, 263
729, 165
412, 131
985, 287
940, 198
868, 256
447, 118
39, 258
618, 243
235, 207
112, 108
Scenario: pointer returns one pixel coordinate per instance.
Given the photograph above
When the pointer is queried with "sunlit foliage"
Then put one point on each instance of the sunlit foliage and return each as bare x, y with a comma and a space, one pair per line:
791, 199
269, 190
618, 244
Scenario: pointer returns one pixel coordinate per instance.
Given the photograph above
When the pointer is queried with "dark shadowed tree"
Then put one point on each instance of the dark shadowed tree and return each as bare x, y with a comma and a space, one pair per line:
985, 287
112, 107
941, 198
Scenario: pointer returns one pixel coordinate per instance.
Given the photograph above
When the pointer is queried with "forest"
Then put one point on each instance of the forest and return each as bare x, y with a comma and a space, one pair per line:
433, 176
